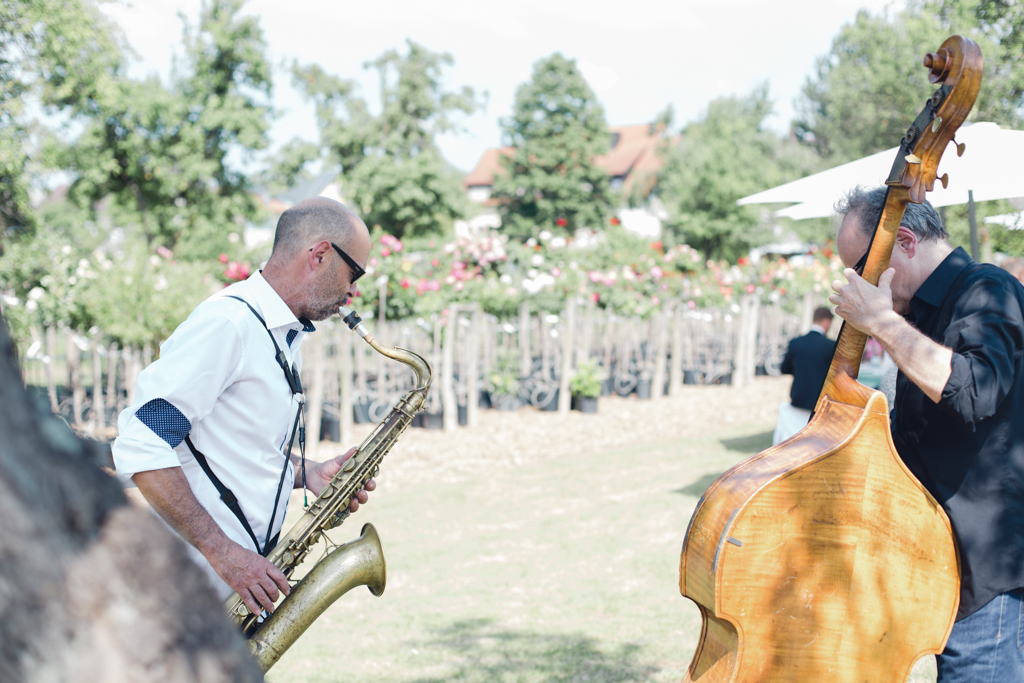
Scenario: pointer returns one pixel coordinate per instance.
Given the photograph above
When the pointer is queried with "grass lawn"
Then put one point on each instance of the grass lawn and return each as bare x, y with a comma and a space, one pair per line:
563, 569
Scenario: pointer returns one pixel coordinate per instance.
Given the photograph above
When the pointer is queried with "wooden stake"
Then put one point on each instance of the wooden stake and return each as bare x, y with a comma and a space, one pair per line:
449, 403
564, 395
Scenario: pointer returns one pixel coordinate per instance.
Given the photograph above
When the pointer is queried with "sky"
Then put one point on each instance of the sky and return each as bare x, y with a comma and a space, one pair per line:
638, 56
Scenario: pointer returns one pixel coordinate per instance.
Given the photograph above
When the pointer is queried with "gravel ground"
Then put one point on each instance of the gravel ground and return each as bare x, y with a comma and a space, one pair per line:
512, 439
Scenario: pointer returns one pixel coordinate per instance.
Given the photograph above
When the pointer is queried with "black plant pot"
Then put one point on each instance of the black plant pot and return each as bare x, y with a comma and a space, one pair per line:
691, 377
552, 405
724, 378
433, 420
585, 404
760, 371
485, 399
330, 428
361, 412
643, 389
506, 402
463, 415
417, 420
606, 387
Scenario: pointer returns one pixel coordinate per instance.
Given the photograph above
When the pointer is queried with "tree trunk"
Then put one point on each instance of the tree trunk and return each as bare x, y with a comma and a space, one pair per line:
74, 361
344, 360
112, 392
564, 394
94, 589
525, 355
51, 361
675, 379
473, 368
449, 407
99, 423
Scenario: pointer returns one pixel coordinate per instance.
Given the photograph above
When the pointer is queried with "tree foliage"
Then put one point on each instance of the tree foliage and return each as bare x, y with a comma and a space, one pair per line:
159, 154
58, 53
866, 90
725, 155
557, 128
391, 166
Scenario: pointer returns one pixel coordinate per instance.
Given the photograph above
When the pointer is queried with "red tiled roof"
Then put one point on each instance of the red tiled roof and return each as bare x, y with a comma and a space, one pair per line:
485, 169
634, 156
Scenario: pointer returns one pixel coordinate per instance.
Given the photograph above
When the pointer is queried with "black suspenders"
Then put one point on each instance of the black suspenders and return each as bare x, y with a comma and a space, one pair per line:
292, 376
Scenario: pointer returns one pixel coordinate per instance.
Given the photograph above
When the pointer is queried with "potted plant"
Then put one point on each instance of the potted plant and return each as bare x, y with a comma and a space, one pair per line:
505, 391
586, 386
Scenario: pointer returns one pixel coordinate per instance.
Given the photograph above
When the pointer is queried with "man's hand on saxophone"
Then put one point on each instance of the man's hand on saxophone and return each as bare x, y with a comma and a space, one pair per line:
320, 474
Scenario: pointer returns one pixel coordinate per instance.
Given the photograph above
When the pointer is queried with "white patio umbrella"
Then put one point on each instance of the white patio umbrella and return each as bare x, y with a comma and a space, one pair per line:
1010, 221
989, 169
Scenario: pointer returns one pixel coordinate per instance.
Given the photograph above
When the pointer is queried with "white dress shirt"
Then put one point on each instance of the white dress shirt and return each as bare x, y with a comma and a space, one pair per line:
217, 380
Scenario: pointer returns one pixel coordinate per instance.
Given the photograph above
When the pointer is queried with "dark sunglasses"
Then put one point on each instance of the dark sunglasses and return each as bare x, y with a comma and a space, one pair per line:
357, 271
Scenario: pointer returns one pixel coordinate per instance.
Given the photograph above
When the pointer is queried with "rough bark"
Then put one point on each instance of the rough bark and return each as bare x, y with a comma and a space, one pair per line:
92, 588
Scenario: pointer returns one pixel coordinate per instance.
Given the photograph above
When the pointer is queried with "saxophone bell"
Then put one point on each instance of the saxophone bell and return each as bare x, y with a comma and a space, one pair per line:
357, 563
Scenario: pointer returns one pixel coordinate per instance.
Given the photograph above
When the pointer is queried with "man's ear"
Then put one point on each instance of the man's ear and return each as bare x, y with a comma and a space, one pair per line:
317, 254
906, 241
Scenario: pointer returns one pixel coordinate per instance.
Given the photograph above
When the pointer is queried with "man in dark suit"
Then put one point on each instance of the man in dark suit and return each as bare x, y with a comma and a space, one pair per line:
807, 359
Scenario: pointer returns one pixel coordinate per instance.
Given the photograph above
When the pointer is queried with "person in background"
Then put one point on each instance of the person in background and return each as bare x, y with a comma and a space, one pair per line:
807, 359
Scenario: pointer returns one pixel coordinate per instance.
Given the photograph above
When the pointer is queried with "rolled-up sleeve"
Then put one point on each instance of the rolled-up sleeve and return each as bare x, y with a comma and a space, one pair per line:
986, 335
197, 363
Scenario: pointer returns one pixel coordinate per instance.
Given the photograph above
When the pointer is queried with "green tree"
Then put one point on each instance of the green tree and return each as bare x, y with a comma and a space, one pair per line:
864, 93
391, 167
725, 155
998, 26
557, 128
160, 153
56, 52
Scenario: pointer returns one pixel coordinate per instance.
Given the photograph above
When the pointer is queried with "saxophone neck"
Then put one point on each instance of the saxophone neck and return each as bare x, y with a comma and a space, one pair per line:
418, 364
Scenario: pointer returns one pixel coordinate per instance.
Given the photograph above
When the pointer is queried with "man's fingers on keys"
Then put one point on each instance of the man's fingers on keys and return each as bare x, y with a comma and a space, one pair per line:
371, 485
261, 596
250, 601
280, 579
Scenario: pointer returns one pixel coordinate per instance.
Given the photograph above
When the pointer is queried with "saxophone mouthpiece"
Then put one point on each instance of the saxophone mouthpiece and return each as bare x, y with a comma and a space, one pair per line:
354, 322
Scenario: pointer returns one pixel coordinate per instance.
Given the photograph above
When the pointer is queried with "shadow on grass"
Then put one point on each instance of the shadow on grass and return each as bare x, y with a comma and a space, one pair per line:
755, 443
747, 445
478, 651
697, 488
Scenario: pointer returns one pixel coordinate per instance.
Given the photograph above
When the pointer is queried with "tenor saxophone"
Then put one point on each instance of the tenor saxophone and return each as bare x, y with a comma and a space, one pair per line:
360, 562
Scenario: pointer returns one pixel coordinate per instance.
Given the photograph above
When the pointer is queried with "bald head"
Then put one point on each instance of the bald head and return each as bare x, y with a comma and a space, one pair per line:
314, 219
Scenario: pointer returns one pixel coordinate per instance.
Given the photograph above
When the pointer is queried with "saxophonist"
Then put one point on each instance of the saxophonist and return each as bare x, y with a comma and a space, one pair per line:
214, 437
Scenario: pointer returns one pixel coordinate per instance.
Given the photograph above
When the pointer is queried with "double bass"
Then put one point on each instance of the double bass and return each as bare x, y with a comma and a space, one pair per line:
823, 558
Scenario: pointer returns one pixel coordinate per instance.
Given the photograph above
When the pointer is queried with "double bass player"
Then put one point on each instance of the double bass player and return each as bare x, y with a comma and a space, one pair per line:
955, 329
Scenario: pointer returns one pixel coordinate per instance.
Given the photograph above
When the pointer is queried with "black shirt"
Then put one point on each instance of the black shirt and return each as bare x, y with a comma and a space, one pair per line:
968, 449
807, 359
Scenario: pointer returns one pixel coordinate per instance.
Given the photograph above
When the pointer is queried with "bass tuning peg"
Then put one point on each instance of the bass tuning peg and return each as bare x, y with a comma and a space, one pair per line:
944, 180
960, 147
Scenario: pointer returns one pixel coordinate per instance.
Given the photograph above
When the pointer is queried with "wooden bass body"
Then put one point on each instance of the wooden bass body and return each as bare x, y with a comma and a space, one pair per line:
810, 567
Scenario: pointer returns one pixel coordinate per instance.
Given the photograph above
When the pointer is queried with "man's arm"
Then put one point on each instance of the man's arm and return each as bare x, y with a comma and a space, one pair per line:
252, 576
925, 362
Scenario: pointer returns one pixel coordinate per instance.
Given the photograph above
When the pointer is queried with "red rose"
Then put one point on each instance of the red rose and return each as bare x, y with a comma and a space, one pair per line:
615, 221
561, 222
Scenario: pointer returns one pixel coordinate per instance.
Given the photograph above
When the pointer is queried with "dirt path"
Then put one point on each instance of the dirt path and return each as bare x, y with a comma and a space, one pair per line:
508, 440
